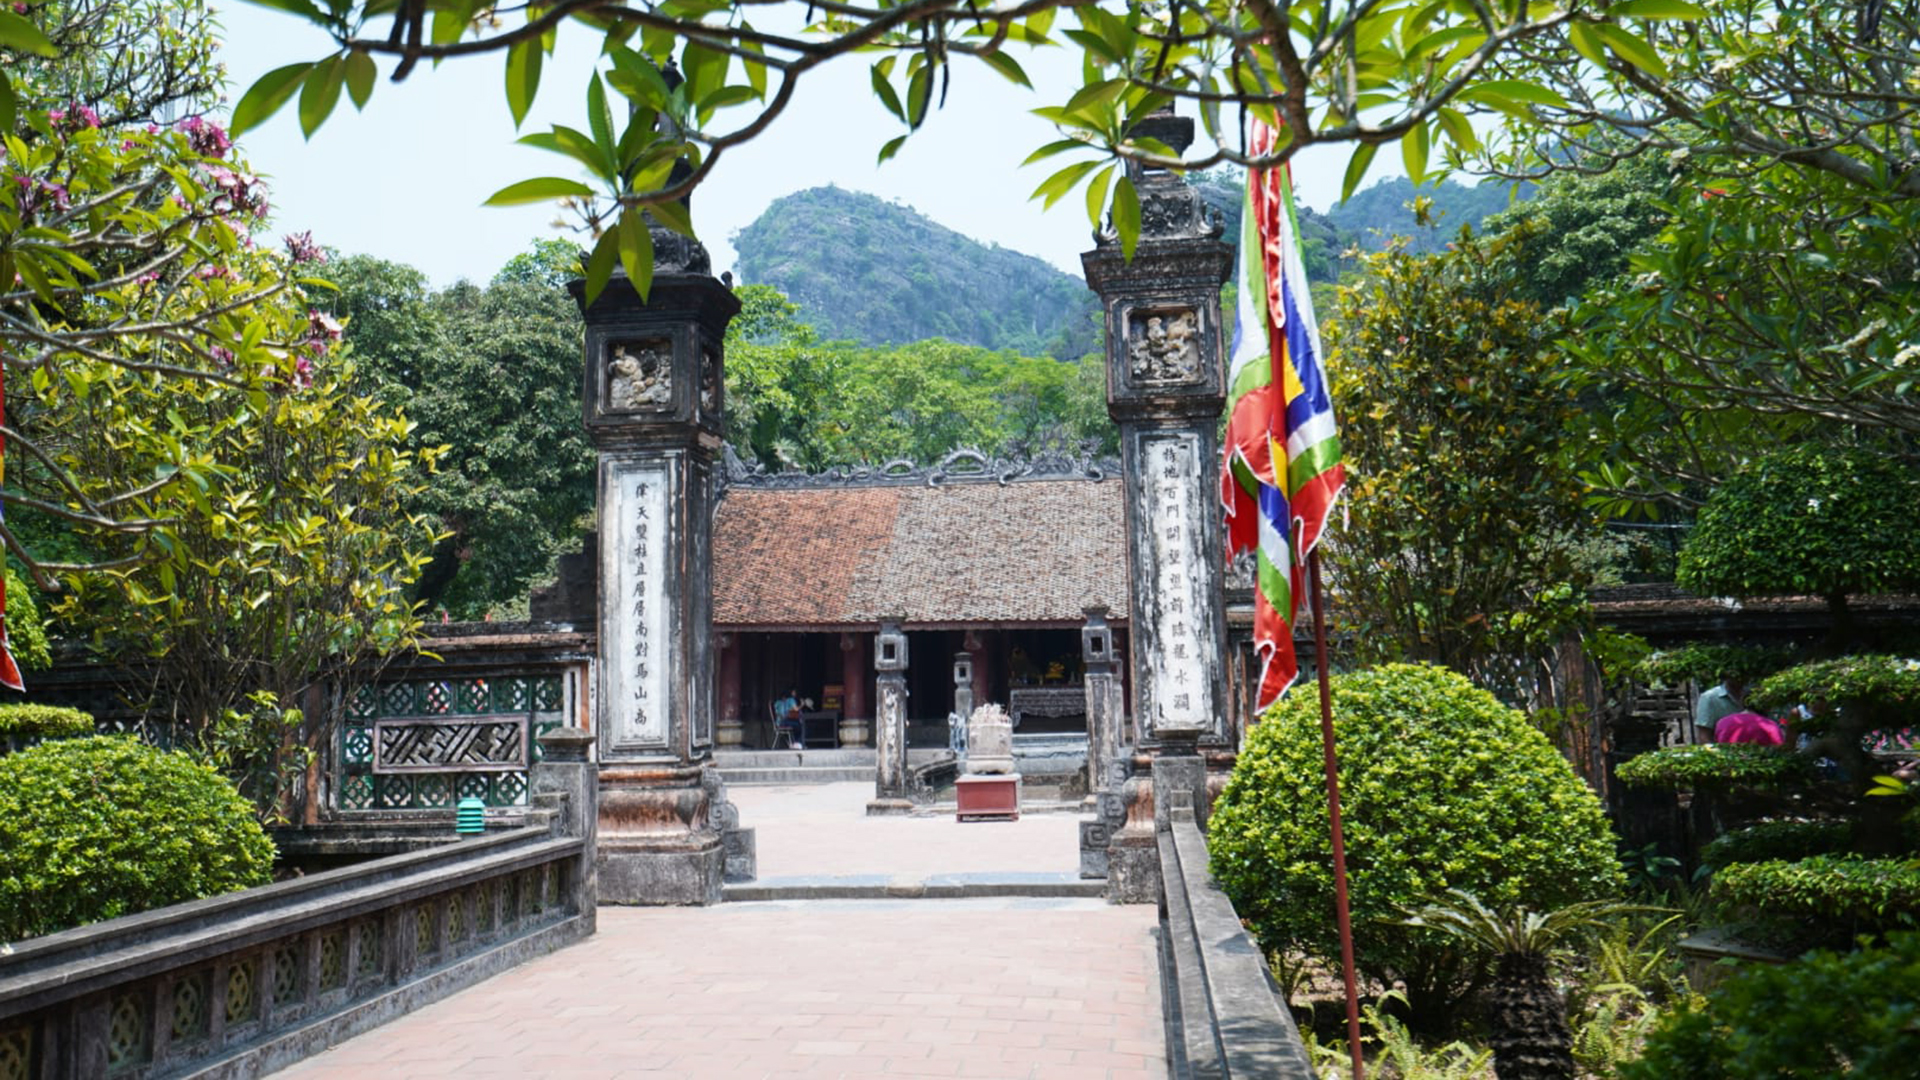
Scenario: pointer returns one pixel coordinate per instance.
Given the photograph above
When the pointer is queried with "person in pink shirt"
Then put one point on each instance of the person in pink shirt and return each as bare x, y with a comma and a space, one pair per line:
1748, 727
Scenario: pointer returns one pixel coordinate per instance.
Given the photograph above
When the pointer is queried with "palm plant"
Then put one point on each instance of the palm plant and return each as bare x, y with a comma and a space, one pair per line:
1526, 1013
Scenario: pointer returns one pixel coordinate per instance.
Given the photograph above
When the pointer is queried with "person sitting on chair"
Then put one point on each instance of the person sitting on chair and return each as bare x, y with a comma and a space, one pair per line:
786, 717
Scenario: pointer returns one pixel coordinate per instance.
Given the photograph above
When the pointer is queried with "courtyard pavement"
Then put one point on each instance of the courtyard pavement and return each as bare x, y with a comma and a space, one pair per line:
1006, 988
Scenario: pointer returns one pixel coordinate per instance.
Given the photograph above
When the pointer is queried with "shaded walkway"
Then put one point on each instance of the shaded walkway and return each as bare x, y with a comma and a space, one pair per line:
1010, 989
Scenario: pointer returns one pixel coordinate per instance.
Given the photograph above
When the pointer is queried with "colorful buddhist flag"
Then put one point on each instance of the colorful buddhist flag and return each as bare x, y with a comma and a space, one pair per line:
1282, 471
9, 671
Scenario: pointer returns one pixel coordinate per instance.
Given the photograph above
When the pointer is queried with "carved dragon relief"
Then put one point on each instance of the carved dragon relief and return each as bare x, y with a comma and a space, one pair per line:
1164, 346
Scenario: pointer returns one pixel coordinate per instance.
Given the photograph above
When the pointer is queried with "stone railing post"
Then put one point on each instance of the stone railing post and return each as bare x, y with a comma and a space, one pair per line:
566, 768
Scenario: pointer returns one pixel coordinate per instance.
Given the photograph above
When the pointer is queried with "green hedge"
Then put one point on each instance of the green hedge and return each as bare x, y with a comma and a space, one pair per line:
1770, 840
1853, 1014
1442, 787
1715, 765
43, 722
1870, 892
1885, 688
105, 826
1707, 663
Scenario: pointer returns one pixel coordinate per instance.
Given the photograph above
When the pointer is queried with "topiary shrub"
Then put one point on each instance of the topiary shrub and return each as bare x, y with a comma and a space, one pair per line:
23, 724
1878, 690
1441, 787
1714, 765
105, 826
1769, 840
1707, 663
1837, 896
1825, 1015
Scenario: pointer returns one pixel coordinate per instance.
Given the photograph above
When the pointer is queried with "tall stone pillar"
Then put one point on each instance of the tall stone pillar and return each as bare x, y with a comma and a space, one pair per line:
653, 399
1165, 390
890, 721
976, 647
856, 713
963, 686
732, 729
1106, 767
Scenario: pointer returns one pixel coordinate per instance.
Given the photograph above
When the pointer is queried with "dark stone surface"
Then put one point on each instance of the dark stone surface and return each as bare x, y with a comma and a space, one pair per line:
662, 876
574, 595
741, 860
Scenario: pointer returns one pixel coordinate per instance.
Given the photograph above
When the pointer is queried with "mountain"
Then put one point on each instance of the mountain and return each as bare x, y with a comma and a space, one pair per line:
1373, 217
865, 269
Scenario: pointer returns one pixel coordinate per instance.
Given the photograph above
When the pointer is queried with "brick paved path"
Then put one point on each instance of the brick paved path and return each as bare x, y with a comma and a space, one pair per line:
1009, 989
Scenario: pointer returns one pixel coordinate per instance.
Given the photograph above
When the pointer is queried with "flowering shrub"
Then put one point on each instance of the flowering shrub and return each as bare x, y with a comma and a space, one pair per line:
1724, 765
1441, 786
100, 827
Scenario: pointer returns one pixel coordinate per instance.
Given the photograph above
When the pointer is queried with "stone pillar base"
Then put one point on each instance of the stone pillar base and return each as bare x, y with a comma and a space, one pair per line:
740, 861
854, 733
729, 734
889, 807
664, 875
1133, 869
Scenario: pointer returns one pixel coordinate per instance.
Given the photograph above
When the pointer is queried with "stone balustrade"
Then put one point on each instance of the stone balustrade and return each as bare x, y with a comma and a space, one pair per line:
1226, 1018
251, 981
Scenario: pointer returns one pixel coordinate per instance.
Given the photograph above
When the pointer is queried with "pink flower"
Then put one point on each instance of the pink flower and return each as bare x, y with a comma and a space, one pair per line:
223, 355
206, 137
302, 249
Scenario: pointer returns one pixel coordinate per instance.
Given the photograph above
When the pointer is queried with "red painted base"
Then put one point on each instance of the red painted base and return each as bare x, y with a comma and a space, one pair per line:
988, 798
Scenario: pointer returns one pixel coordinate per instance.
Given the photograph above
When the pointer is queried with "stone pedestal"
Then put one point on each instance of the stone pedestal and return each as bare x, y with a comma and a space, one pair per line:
987, 797
653, 397
890, 794
1106, 701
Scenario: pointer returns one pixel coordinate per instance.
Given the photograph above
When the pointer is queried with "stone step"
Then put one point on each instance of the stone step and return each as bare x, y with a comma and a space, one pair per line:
774, 759
792, 775
917, 887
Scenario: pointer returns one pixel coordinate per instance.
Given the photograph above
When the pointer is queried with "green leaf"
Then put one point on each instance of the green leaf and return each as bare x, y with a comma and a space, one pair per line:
320, 93
756, 71
1587, 43
571, 142
1502, 93
1459, 128
706, 69
1633, 49
9, 106
1413, 152
1657, 9
1357, 168
1008, 67
539, 189
523, 78
883, 89
1097, 194
1100, 93
727, 95
21, 35
266, 95
1053, 148
891, 148
1126, 216
360, 76
636, 251
1054, 187
600, 120
674, 215
919, 95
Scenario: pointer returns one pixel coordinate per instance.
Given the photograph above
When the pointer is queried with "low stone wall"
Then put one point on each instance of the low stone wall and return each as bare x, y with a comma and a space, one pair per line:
242, 984
1225, 1017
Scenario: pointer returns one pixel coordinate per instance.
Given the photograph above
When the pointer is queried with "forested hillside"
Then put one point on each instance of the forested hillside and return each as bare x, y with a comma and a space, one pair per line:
866, 270
1375, 216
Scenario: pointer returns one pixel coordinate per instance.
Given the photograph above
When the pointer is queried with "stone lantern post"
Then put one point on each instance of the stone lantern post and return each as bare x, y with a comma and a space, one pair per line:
1165, 390
653, 398
890, 721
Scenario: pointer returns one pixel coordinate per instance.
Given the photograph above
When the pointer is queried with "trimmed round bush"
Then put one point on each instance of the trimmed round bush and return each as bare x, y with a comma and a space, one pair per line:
1770, 840
1867, 893
1825, 1015
1708, 662
100, 827
1441, 787
1884, 690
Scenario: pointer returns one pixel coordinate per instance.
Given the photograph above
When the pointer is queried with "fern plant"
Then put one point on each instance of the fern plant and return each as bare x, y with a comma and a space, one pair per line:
1398, 1054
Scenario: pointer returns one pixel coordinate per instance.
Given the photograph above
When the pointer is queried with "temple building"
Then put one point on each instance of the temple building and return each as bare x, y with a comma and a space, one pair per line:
999, 560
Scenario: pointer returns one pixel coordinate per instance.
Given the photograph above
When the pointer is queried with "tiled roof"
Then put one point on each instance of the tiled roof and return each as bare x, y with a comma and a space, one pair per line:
1029, 552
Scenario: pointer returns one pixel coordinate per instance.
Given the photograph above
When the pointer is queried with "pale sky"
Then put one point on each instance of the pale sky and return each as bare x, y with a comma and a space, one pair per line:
405, 180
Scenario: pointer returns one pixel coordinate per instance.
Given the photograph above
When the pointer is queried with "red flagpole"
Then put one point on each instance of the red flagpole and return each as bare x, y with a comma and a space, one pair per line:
1342, 914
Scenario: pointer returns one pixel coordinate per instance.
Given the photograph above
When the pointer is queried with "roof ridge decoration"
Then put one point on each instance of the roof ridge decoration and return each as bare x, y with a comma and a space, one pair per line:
1050, 455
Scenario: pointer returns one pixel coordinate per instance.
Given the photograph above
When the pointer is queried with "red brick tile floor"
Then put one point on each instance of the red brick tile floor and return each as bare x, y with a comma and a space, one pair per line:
1011, 989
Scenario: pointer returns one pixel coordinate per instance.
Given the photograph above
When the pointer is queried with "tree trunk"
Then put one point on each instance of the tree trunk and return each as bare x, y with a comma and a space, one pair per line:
1528, 1018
